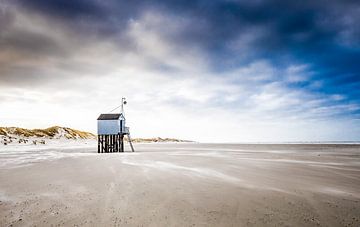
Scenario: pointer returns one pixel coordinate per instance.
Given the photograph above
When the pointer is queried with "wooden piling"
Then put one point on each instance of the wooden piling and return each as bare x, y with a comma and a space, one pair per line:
111, 143
98, 143
106, 143
122, 143
117, 143
102, 143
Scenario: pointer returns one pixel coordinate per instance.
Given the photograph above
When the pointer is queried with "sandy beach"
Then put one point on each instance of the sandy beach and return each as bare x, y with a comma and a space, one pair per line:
184, 184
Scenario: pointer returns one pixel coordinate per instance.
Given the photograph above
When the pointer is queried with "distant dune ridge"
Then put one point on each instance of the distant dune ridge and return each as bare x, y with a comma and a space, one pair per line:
52, 132
11, 135
157, 140
20, 135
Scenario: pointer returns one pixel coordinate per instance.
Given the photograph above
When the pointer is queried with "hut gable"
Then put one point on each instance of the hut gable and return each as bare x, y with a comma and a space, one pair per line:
111, 116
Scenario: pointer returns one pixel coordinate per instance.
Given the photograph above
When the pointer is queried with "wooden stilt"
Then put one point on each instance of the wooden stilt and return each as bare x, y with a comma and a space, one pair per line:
110, 143
118, 139
122, 143
102, 143
113, 143
98, 143
106, 143
117, 143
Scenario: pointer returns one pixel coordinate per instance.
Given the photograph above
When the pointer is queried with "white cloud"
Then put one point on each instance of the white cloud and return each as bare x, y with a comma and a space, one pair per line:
297, 73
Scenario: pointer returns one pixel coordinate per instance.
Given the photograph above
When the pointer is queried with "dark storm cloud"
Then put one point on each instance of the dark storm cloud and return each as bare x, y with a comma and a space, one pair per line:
70, 10
288, 26
27, 42
100, 18
22, 76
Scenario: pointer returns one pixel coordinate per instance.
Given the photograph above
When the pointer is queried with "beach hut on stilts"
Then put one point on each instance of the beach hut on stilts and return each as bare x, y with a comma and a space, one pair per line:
111, 130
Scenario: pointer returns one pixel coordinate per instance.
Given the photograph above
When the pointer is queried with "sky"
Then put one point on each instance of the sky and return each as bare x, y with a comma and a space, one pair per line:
209, 71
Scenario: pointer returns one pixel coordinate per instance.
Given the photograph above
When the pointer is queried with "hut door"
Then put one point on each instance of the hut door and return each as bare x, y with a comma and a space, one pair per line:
121, 126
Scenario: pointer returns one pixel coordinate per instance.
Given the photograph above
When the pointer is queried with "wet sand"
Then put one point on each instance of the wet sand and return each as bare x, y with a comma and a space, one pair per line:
182, 185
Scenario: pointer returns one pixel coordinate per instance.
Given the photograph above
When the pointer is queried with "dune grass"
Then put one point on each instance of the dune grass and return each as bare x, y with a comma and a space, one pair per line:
50, 132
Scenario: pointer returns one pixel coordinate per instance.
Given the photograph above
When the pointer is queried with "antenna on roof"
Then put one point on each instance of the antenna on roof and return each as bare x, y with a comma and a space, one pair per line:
123, 102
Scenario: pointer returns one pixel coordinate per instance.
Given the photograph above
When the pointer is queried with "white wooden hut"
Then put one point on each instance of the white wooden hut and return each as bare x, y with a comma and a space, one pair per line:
110, 124
111, 130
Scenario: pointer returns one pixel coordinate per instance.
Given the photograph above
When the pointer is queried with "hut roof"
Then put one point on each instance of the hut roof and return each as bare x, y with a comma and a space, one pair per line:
110, 116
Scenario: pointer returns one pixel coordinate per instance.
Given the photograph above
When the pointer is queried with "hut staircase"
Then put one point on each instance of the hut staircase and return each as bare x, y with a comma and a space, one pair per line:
129, 138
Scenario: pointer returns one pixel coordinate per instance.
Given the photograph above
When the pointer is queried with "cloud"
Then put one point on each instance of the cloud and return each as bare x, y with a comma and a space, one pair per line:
254, 71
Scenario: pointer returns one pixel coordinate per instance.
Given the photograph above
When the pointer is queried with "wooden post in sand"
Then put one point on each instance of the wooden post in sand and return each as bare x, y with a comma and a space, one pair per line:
121, 143
98, 143
110, 143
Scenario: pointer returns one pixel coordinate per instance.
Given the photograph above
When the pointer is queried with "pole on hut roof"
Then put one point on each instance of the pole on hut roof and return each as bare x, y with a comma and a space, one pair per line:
123, 102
